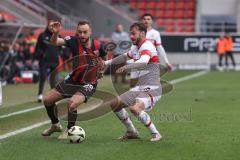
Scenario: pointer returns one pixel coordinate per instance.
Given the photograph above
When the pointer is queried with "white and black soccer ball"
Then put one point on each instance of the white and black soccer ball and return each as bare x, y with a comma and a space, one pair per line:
76, 134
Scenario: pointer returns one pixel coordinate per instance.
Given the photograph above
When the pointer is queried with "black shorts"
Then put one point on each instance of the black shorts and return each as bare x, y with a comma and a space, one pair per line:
68, 89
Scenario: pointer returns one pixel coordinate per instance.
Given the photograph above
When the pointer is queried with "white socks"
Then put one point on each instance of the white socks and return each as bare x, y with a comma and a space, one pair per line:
146, 120
142, 116
123, 116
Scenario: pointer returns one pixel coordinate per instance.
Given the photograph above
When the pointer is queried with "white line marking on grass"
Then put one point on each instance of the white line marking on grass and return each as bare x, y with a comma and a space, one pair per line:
185, 78
21, 130
21, 112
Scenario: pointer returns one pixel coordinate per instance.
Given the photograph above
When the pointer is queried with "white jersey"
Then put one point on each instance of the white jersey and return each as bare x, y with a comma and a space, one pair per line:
148, 88
146, 48
154, 36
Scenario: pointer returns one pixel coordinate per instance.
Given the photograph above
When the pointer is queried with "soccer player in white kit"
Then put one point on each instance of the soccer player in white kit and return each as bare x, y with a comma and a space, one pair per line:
154, 36
147, 91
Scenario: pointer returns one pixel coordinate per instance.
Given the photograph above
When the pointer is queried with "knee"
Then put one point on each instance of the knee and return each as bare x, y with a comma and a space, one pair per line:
135, 109
72, 105
47, 101
115, 104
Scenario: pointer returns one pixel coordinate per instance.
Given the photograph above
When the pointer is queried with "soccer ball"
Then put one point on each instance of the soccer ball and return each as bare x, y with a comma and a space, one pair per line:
76, 134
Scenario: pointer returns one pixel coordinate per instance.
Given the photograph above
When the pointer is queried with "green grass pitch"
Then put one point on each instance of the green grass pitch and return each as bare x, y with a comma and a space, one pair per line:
199, 120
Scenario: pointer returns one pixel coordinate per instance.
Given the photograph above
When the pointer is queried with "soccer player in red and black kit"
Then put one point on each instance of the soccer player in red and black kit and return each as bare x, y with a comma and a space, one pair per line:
81, 83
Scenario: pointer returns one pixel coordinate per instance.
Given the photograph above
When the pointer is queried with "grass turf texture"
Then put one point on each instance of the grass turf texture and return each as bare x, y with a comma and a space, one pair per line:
199, 120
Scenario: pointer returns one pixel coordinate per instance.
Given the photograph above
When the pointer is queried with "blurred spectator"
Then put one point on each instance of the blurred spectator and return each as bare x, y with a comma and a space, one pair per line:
19, 58
4, 56
117, 37
229, 48
2, 18
28, 57
221, 49
14, 61
9, 68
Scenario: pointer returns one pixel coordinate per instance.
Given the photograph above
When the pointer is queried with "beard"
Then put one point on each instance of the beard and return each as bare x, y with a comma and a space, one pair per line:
84, 41
137, 41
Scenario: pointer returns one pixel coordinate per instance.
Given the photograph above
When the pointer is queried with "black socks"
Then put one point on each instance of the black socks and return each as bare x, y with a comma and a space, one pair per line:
52, 113
72, 117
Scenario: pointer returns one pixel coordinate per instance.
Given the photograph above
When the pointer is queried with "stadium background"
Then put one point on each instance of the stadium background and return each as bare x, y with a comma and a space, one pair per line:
177, 21
189, 30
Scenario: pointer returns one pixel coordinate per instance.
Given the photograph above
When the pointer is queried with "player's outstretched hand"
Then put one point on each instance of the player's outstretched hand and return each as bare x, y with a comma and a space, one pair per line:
102, 68
100, 75
121, 69
169, 66
55, 27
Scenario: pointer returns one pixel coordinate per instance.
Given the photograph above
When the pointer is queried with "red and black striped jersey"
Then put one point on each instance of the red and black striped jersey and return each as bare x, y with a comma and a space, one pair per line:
87, 62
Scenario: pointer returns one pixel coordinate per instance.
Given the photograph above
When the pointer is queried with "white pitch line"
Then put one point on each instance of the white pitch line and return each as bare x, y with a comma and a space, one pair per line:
21, 130
185, 78
21, 112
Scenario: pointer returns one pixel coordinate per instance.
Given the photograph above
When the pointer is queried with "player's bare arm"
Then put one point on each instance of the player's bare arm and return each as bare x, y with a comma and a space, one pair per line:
55, 40
163, 55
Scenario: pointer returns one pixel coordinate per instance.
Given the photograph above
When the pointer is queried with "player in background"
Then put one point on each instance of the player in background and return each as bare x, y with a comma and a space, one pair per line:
47, 56
81, 83
154, 36
148, 89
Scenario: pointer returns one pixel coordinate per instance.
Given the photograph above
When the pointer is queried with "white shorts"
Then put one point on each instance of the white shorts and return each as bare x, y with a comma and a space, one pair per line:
149, 102
149, 95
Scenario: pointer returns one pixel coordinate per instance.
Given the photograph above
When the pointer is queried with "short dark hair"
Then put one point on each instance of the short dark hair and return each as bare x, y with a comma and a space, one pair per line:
147, 14
140, 26
83, 22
